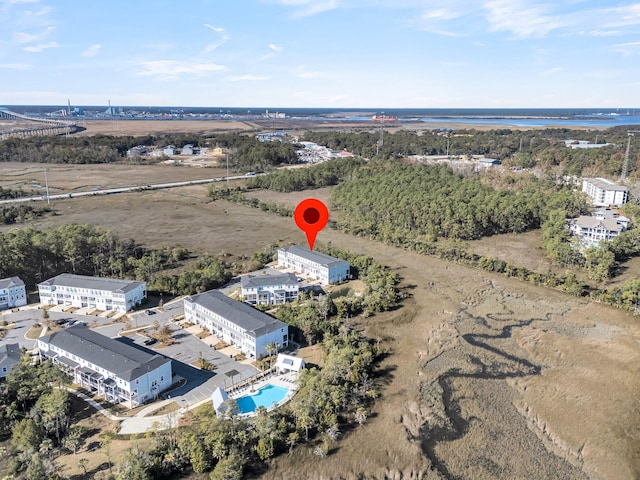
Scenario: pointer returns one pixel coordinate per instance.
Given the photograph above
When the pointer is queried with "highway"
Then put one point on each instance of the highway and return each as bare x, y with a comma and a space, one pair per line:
111, 191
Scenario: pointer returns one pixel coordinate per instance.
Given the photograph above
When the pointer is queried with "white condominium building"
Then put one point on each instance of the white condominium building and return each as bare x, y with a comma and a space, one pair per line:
236, 323
269, 289
604, 193
316, 265
107, 367
92, 292
12, 293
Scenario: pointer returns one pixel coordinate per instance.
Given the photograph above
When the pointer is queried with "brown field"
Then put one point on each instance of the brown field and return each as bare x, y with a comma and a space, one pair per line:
209, 127
486, 377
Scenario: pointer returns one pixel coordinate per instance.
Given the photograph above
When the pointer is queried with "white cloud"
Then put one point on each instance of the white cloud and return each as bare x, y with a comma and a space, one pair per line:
16, 2
15, 66
550, 72
174, 68
92, 51
223, 38
627, 48
41, 47
307, 8
302, 72
522, 19
214, 28
275, 49
604, 33
246, 78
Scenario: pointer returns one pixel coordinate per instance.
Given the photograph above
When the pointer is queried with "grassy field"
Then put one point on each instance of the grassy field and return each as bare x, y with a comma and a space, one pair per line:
485, 377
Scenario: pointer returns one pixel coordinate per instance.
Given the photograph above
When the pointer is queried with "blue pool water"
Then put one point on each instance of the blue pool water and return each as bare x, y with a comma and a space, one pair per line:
266, 397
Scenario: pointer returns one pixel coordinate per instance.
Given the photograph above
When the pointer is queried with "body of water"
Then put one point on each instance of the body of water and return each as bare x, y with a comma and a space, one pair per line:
521, 117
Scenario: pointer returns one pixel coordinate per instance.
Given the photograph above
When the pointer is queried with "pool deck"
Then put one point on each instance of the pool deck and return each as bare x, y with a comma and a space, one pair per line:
287, 381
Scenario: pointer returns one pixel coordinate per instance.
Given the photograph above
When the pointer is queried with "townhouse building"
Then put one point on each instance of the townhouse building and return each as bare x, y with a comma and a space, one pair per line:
12, 293
119, 372
237, 323
93, 292
269, 289
316, 265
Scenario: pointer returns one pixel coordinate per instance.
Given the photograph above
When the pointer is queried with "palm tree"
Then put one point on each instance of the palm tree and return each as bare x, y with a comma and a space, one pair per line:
270, 347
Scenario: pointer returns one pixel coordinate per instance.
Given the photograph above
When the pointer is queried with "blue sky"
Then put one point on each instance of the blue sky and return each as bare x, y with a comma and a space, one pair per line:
321, 53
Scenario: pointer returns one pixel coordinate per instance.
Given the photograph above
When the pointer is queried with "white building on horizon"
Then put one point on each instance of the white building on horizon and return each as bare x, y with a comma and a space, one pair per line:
319, 266
107, 367
269, 289
12, 293
93, 292
604, 193
237, 323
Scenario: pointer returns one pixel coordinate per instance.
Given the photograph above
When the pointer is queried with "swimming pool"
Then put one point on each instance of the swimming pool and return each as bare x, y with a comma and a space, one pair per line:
266, 397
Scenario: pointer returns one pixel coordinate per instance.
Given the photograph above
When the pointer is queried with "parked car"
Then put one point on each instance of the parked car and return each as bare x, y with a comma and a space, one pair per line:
149, 341
150, 312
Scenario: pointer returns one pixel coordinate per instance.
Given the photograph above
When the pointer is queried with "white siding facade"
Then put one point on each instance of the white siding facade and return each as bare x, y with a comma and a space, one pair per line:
12, 293
604, 193
143, 382
316, 265
236, 323
269, 289
92, 292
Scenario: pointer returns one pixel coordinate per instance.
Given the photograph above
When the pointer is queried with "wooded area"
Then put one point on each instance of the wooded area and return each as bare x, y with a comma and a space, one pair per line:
542, 148
401, 204
245, 152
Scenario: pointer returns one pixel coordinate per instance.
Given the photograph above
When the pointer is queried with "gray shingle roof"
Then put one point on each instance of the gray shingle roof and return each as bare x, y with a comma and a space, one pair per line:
9, 354
94, 283
317, 257
248, 318
11, 282
125, 361
610, 224
254, 281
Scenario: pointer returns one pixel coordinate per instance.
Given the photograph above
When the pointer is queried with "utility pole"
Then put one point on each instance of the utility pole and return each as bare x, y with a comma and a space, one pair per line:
46, 183
625, 166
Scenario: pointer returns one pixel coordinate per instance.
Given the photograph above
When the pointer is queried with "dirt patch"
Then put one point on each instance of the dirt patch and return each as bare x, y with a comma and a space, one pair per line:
95, 425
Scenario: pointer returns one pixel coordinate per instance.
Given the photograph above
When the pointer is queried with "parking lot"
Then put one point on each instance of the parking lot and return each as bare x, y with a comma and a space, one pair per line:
186, 349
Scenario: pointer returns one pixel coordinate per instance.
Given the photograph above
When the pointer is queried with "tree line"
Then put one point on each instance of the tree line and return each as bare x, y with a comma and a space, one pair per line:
36, 255
399, 203
246, 152
544, 148
324, 174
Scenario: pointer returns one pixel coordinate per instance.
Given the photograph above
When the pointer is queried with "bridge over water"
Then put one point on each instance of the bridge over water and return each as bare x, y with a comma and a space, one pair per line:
23, 126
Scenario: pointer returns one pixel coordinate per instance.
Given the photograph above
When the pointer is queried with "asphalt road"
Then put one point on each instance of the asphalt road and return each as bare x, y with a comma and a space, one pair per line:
110, 191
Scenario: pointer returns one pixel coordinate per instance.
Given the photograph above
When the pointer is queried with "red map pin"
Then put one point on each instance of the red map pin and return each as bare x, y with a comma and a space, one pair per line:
311, 216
